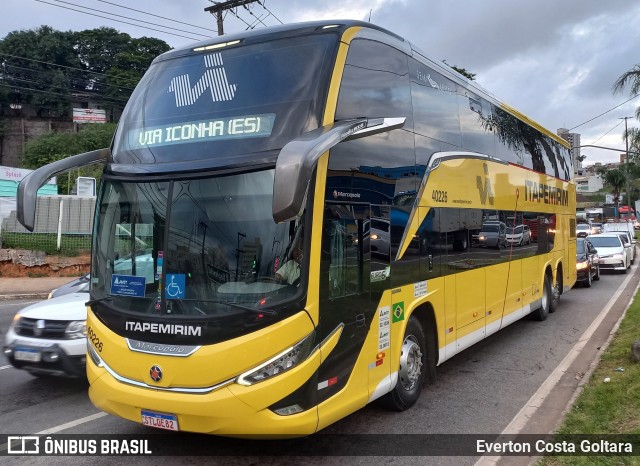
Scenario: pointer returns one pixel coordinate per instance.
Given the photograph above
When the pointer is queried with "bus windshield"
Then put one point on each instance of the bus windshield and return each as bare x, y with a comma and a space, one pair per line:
194, 247
234, 101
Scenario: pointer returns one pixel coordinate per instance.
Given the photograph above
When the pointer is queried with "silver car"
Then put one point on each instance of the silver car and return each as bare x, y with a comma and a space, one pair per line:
50, 337
611, 250
629, 247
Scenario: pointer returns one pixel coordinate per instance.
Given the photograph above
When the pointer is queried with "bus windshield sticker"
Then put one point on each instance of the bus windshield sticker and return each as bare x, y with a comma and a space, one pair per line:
128, 285
420, 289
174, 288
249, 126
384, 333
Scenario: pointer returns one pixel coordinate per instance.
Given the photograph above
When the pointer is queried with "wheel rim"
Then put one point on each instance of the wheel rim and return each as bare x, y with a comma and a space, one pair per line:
545, 297
410, 363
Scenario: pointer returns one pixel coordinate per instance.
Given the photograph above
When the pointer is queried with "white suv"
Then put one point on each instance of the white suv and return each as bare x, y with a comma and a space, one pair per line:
49, 337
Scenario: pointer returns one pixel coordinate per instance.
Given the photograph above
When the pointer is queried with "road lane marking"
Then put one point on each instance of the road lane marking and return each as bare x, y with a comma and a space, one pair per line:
65, 426
6, 367
71, 424
530, 407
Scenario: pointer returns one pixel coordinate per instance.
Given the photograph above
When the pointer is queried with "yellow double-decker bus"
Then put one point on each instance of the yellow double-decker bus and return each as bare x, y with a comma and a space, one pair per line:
297, 221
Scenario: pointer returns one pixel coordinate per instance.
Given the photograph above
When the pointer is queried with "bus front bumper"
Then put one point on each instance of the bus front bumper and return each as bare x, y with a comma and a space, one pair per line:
219, 412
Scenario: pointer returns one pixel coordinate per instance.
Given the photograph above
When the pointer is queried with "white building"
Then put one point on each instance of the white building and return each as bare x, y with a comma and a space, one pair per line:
574, 140
588, 184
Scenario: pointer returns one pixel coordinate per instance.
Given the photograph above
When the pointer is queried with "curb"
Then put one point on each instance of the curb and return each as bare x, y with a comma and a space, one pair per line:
34, 295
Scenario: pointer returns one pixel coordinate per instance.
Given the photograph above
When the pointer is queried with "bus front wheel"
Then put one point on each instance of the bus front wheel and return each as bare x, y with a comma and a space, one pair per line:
414, 366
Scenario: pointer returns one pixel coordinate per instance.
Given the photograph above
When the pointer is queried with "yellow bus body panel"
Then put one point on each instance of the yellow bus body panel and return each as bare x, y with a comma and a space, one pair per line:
231, 410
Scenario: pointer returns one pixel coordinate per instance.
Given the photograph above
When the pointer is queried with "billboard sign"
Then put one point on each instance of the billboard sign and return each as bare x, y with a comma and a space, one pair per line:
89, 115
17, 174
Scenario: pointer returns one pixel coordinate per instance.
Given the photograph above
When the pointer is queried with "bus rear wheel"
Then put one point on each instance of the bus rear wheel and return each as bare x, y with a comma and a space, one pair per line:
415, 366
556, 291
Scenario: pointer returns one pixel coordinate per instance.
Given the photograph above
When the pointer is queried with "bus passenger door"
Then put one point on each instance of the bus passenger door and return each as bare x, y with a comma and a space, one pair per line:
344, 286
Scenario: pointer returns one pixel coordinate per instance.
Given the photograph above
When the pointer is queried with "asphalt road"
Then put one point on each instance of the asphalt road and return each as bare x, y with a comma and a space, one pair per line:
485, 390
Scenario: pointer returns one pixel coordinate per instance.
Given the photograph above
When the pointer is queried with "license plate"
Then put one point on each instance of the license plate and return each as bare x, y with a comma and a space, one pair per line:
160, 420
24, 354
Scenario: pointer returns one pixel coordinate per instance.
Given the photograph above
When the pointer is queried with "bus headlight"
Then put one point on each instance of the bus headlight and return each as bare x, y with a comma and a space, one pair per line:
280, 363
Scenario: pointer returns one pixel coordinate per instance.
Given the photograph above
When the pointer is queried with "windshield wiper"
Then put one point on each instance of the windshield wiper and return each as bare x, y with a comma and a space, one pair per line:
266, 312
91, 302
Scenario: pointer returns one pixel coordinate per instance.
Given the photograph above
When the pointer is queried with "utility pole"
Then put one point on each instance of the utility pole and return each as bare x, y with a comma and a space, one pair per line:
626, 159
219, 8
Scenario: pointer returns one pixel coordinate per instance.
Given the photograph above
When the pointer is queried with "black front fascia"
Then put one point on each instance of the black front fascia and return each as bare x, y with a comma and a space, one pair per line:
189, 330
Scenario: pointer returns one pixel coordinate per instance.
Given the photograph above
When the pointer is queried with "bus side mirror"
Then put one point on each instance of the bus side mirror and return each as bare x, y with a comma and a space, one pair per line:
298, 159
28, 187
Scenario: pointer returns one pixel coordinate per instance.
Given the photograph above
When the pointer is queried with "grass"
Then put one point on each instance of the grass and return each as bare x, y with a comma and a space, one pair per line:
608, 408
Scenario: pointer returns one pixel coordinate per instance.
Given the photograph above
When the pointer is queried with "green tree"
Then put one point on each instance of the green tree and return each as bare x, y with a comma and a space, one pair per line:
463, 71
26, 75
630, 79
616, 180
56, 146
43, 67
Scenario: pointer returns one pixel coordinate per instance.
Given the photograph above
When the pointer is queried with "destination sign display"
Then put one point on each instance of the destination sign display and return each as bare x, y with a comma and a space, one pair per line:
202, 131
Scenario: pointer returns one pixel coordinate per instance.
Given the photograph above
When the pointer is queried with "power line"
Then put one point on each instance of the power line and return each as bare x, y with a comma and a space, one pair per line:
262, 4
87, 81
218, 8
604, 113
157, 16
56, 93
249, 26
65, 88
614, 127
127, 17
251, 13
118, 21
67, 67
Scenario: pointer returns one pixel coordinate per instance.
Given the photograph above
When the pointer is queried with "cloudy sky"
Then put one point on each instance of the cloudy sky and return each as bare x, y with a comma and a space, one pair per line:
555, 61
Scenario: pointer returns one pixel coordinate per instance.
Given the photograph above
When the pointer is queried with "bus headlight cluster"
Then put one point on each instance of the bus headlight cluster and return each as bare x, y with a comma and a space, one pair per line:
280, 363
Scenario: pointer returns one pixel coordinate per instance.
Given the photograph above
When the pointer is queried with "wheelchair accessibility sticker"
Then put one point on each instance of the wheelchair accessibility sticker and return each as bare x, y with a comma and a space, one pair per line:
174, 289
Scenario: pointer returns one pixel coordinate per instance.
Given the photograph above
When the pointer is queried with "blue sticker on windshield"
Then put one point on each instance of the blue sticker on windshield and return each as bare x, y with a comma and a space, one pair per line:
174, 288
128, 285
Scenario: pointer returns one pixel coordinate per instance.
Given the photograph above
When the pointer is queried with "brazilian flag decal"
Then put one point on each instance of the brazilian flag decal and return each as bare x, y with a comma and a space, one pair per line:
398, 311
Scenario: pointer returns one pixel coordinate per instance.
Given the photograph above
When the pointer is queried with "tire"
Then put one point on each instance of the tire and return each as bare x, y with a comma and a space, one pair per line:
555, 294
596, 277
543, 312
587, 282
416, 365
460, 244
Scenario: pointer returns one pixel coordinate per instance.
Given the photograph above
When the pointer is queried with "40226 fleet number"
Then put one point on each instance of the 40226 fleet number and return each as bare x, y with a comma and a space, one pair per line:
94, 339
439, 196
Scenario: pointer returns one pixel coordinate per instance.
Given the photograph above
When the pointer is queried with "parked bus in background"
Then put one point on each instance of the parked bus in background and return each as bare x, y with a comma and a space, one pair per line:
234, 153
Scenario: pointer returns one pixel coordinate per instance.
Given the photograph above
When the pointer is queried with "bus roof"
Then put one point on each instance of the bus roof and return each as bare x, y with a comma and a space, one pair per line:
339, 26
276, 32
